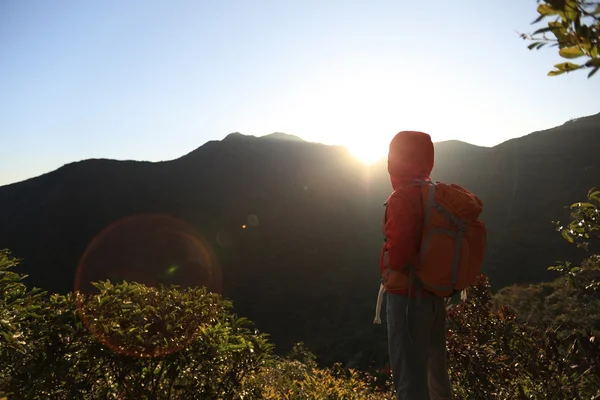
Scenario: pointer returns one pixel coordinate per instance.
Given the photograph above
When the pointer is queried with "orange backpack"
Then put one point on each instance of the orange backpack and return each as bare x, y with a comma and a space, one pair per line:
453, 241
452, 244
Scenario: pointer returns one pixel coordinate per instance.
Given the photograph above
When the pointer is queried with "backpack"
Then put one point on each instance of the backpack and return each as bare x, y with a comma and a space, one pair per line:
454, 239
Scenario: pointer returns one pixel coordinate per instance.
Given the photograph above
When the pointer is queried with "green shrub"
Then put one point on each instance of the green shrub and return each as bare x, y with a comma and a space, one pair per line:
132, 341
289, 379
493, 355
136, 342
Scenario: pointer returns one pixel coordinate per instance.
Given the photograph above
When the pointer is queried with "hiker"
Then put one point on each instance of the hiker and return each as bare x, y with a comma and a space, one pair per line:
416, 317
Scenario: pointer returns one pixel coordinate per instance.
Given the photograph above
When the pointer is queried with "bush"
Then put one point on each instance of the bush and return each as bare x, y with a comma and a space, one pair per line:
291, 379
136, 342
493, 355
559, 304
132, 341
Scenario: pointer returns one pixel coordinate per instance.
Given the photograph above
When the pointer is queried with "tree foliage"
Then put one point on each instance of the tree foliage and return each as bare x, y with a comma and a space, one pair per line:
555, 304
159, 343
574, 27
585, 221
583, 230
290, 379
571, 301
494, 355
49, 351
570, 305
134, 341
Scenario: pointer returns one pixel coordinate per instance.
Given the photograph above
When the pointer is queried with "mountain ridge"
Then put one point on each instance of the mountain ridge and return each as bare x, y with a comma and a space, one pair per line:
281, 136
311, 215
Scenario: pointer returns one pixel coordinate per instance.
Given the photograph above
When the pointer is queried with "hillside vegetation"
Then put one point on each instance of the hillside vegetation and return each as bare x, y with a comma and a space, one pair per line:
134, 341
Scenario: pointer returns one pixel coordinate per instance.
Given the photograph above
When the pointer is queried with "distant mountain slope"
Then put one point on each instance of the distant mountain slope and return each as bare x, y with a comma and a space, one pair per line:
307, 269
534, 177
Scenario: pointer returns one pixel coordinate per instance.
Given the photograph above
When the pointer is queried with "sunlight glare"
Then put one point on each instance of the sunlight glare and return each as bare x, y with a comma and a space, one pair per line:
361, 105
368, 153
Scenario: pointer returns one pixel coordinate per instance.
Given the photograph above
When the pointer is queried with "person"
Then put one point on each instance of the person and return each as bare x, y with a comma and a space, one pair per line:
416, 318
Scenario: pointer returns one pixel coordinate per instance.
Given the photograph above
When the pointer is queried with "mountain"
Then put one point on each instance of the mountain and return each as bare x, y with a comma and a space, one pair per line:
292, 228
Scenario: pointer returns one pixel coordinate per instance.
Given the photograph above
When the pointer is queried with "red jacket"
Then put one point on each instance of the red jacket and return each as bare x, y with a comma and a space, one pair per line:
411, 157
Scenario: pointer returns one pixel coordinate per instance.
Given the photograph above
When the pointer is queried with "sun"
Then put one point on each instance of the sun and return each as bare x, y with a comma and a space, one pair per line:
368, 153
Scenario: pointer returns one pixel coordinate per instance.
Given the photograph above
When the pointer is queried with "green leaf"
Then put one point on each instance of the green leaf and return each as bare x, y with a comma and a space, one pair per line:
590, 49
571, 52
595, 62
557, 29
543, 30
593, 72
571, 10
7, 337
568, 237
555, 73
545, 10
582, 205
567, 66
533, 45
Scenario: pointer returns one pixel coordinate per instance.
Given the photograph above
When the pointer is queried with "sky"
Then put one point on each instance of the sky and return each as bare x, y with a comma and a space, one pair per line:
153, 80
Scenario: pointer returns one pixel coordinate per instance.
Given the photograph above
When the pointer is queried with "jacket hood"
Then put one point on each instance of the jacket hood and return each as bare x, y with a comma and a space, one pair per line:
410, 157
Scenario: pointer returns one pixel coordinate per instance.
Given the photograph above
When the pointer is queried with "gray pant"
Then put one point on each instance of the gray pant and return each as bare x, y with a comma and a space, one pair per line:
417, 346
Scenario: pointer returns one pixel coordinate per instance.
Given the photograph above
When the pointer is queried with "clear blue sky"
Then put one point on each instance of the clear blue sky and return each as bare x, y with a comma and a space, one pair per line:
153, 80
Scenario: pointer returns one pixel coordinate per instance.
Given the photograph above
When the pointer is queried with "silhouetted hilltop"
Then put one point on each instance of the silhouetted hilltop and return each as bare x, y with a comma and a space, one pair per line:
283, 136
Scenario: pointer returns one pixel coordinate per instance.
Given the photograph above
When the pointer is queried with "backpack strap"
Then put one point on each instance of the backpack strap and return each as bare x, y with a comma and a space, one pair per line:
384, 220
377, 319
416, 182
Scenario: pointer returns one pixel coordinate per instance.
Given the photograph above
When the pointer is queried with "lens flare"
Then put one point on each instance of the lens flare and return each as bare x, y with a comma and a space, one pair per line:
151, 250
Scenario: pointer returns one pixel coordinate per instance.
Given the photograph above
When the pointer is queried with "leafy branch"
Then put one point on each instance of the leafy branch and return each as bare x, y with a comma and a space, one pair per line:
585, 221
581, 230
574, 28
